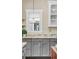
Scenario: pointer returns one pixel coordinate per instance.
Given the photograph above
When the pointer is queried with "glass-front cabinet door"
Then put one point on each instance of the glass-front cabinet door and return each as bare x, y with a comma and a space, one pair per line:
52, 13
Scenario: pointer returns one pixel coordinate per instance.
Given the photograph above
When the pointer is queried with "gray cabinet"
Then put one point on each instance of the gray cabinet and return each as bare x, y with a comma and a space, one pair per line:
39, 47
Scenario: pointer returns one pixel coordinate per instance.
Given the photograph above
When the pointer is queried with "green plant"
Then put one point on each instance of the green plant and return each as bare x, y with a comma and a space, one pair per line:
24, 32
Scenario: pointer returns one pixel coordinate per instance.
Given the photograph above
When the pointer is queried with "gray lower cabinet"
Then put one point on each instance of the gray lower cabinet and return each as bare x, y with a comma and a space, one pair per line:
38, 47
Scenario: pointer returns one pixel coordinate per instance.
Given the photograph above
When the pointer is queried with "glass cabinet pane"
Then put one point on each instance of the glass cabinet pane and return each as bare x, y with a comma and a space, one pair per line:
53, 9
53, 6
53, 17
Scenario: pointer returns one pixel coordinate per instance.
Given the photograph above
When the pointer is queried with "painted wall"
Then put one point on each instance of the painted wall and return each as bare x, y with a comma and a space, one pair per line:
38, 4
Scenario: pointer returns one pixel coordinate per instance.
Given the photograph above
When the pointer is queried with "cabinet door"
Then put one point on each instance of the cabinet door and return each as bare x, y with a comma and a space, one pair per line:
45, 47
27, 50
53, 42
36, 48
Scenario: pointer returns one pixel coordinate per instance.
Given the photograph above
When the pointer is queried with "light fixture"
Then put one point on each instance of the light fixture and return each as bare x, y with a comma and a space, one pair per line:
35, 17
33, 12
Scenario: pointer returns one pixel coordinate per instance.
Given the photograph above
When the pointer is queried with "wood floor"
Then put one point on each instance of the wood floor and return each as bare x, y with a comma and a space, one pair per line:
38, 57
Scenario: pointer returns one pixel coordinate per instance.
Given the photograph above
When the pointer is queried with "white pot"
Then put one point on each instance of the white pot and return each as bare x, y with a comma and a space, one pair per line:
24, 35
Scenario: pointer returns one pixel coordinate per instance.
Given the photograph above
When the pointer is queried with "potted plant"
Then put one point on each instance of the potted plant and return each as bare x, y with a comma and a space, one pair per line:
24, 32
